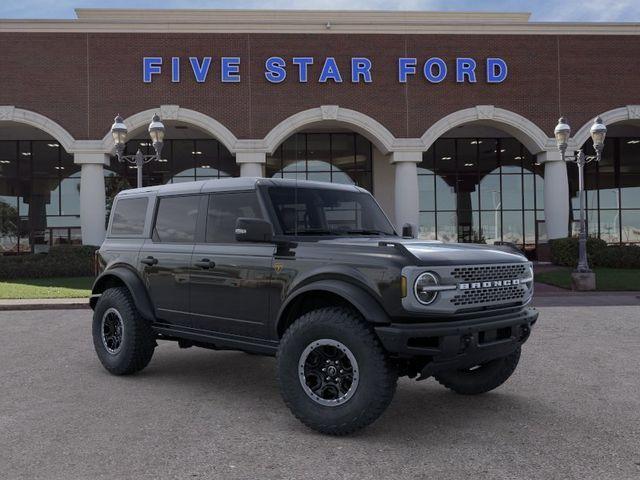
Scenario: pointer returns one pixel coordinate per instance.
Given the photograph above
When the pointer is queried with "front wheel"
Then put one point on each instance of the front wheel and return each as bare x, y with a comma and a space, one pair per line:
334, 375
480, 378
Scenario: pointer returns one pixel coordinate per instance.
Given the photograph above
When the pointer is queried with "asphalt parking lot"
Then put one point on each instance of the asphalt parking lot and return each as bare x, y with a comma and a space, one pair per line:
572, 410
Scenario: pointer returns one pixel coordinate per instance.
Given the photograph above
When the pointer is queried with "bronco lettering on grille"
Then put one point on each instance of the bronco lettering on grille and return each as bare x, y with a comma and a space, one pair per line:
489, 284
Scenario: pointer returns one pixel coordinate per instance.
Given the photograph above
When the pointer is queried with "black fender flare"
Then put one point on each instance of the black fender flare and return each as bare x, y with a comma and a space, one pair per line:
133, 283
363, 301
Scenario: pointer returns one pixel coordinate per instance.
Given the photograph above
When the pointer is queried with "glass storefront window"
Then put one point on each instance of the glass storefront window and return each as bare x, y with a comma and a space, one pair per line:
612, 188
495, 198
325, 157
630, 223
39, 195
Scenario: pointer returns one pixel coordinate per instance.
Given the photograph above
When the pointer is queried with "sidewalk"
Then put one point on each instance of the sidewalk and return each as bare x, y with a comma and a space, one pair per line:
43, 304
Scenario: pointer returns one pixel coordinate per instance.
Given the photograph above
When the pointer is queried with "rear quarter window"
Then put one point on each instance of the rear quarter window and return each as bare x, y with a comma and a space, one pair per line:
128, 216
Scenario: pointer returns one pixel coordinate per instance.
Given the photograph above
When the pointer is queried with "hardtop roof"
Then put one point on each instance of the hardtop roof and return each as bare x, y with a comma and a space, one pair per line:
230, 184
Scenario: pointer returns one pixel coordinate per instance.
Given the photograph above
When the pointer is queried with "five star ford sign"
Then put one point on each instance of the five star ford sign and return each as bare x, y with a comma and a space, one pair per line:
361, 69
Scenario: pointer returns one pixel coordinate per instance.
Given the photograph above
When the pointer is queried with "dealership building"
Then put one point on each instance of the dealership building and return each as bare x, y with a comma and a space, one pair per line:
447, 118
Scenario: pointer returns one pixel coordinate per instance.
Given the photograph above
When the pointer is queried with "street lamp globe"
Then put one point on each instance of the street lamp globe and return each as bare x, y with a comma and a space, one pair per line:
156, 129
562, 133
598, 132
119, 132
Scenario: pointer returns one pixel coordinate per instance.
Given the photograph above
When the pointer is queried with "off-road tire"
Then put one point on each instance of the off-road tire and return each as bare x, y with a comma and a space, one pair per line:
138, 341
482, 379
377, 376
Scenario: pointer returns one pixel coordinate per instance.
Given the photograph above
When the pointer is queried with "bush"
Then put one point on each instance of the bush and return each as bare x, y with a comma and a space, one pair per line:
62, 261
564, 252
619, 256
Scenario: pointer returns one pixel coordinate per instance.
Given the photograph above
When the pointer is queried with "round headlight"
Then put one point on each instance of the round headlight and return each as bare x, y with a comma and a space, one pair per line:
423, 288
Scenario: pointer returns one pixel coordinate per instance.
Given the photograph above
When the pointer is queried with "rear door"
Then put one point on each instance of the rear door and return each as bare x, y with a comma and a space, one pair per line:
165, 258
230, 280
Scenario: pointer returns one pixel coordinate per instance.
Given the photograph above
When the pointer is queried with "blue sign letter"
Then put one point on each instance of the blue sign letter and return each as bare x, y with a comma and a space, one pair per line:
330, 71
496, 70
360, 66
150, 66
200, 70
465, 67
230, 69
428, 70
275, 69
303, 65
406, 66
175, 69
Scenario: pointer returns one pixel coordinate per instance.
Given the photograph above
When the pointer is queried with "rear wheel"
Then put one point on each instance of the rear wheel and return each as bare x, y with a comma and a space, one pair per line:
480, 378
334, 375
122, 339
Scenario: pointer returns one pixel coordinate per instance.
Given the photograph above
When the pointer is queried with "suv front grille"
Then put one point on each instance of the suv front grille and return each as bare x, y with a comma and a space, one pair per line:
490, 295
489, 272
484, 284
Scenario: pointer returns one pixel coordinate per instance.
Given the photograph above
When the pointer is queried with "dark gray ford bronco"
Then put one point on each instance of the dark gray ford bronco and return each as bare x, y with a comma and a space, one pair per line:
314, 274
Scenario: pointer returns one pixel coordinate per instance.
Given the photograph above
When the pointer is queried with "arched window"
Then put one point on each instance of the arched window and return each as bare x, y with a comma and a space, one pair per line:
325, 157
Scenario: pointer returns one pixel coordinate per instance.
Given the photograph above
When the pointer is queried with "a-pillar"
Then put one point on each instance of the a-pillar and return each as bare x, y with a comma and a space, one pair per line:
406, 189
251, 163
92, 196
556, 194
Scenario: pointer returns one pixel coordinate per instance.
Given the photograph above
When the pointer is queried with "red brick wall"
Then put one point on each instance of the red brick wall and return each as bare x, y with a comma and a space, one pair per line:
82, 80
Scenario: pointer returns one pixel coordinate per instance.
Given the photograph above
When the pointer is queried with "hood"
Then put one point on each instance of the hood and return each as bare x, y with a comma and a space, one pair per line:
435, 252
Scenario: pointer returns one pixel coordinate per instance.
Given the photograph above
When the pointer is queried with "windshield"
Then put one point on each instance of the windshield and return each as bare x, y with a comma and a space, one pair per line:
319, 211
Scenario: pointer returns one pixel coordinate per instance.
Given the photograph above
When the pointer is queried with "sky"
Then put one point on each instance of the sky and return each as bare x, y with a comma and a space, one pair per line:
542, 10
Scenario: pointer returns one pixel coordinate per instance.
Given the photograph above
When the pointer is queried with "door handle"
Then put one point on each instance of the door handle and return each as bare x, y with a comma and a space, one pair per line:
149, 260
205, 263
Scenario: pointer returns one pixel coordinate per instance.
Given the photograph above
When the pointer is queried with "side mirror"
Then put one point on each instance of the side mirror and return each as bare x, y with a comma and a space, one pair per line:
253, 230
407, 230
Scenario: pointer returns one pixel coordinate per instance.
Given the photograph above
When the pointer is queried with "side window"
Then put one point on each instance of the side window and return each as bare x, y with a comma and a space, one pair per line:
224, 210
129, 215
176, 219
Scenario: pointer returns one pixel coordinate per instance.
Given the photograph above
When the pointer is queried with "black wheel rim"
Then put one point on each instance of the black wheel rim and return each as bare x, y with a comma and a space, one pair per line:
112, 331
328, 372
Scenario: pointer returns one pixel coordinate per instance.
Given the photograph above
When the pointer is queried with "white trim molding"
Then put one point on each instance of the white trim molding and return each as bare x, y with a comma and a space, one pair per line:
180, 114
311, 22
521, 128
10, 113
621, 114
373, 130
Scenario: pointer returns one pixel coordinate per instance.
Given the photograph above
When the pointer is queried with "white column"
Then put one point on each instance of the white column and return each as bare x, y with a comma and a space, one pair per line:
406, 189
251, 163
556, 194
92, 196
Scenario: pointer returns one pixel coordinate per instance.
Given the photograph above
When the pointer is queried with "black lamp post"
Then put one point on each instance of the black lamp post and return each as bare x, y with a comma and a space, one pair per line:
156, 132
598, 132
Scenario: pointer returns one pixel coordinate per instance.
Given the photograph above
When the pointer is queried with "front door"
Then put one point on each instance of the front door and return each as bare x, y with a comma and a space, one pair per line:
230, 280
165, 259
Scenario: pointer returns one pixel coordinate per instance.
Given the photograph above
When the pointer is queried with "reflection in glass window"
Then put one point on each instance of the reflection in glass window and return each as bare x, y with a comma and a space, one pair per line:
223, 212
129, 216
176, 219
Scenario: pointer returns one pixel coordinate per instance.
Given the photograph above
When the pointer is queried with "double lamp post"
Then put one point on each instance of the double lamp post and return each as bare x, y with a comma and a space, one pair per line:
583, 277
156, 132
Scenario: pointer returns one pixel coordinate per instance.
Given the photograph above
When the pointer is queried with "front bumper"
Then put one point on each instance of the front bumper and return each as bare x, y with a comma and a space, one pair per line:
458, 344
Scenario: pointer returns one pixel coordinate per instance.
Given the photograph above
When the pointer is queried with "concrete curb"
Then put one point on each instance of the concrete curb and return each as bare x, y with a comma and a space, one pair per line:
44, 304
